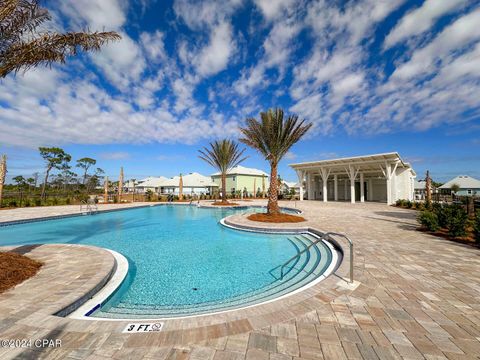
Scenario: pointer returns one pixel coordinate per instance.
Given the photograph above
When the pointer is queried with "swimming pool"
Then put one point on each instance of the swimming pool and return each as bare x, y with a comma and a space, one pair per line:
182, 262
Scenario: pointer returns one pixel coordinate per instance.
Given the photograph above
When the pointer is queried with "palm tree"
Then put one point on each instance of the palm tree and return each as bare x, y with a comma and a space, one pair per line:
273, 136
22, 46
223, 155
3, 174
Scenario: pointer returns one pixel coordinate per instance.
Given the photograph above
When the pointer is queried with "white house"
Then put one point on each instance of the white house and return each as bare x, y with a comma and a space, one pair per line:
151, 183
193, 183
380, 177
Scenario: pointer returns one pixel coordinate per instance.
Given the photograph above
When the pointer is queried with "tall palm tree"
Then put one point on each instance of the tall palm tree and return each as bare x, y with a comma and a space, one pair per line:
3, 174
223, 155
23, 46
273, 136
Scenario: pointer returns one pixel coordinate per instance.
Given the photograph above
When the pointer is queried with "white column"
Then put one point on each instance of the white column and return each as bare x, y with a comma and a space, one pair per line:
309, 186
362, 190
324, 173
352, 174
335, 190
388, 170
370, 190
300, 175
352, 191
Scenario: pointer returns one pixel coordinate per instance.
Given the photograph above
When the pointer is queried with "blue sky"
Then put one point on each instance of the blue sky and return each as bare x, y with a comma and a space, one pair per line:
372, 76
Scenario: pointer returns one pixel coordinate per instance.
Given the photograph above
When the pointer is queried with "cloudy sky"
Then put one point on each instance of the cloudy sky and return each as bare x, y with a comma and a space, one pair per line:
372, 76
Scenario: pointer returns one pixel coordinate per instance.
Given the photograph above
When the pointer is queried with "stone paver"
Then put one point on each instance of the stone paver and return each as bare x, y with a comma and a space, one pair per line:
417, 296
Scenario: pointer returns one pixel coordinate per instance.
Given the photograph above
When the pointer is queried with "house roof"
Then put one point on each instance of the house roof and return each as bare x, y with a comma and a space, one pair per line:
291, 184
419, 185
365, 162
463, 181
153, 182
190, 180
241, 170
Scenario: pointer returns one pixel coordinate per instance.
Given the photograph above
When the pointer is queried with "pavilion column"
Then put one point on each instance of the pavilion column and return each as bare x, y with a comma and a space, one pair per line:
335, 186
300, 175
345, 190
362, 189
352, 175
324, 173
370, 190
389, 173
309, 186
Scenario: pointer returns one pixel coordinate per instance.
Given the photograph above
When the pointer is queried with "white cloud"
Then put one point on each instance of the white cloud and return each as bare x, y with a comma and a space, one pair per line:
153, 45
422, 19
122, 62
214, 57
348, 84
461, 33
97, 15
118, 155
273, 9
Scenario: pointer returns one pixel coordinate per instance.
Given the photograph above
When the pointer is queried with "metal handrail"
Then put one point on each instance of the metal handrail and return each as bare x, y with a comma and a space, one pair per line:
89, 206
323, 237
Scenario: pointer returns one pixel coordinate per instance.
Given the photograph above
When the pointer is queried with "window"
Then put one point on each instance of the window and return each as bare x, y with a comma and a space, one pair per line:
233, 178
469, 192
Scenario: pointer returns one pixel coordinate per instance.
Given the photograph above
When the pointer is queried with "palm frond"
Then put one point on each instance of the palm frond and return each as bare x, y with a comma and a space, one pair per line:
223, 155
50, 48
273, 136
23, 47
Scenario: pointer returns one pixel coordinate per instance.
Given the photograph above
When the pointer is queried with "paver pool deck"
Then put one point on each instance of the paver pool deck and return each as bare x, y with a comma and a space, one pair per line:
416, 296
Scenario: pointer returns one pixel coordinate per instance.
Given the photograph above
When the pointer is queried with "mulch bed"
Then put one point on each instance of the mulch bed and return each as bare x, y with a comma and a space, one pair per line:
15, 269
277, 218
443, 233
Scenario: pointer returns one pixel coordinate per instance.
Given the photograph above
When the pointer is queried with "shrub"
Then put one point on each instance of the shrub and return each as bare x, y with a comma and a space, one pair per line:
456, 220
421, 206
399, 202
476, 227
38, 202
408, 204
429, 220
442, 213
12, 203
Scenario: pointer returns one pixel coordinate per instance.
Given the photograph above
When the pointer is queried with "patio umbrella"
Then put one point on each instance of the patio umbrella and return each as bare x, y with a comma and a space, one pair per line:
180, 188
105, 187
120, 185
255, 187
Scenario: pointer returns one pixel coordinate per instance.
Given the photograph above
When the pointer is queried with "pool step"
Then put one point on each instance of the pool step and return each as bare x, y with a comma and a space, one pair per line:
306, 268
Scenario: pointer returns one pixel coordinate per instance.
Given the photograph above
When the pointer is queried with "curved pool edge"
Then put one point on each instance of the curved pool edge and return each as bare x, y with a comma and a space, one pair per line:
116, 279
105, 293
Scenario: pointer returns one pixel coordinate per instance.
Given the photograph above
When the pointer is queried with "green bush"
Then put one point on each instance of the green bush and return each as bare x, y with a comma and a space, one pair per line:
408, 204
399, 202
476, 227
429, 220
456, 220
443, 213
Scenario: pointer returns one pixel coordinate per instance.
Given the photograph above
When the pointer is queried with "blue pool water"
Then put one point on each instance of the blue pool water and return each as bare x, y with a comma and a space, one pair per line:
181, 260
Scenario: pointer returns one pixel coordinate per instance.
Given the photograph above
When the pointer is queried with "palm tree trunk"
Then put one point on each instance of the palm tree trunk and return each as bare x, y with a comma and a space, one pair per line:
224, 188
272, 206
45, 184
3, 173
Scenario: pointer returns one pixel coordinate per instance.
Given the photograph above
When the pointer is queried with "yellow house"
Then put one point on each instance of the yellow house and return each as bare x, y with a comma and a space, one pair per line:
241, 178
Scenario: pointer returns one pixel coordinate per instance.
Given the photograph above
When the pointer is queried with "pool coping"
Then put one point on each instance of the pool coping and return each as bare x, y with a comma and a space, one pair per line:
109, 289
204, 326
81, 213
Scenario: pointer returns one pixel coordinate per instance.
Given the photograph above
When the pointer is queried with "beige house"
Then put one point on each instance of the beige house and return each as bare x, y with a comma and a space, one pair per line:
380, 177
